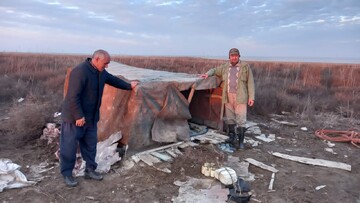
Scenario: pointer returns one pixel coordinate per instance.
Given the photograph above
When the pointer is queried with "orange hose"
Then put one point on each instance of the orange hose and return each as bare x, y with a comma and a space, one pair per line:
340, 136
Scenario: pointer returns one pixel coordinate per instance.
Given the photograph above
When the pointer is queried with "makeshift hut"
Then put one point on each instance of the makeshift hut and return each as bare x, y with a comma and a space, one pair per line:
159, 109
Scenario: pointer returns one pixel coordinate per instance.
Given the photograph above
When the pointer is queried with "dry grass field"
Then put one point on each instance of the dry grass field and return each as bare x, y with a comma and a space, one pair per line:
304, 88
324, 95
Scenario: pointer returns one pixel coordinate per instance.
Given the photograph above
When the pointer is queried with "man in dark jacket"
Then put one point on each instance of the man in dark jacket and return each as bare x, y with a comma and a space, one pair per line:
80, 114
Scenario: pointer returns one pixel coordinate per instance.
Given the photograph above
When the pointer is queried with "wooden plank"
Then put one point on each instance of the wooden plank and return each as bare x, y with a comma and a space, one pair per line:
208, 140
148, 159
171, 152
316, 162
162, 156
221, 125
67, 78
187, 144
211, 139
216, 137
191, 93
262, 165
161, 148
221, 136
177, 151
271, 184
284, 122
165, 170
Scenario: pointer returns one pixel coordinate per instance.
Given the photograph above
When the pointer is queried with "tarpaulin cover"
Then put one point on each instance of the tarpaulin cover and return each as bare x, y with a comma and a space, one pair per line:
156, 111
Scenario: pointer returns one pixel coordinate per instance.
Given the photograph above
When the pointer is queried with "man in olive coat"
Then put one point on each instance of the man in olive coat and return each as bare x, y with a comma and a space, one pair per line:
238, 92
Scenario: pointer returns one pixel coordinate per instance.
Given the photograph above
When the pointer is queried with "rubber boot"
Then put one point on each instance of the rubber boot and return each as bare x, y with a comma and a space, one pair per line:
241, 137
231, 134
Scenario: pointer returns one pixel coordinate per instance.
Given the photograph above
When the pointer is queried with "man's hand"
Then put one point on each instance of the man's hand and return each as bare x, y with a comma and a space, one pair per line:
80, 122
251, 102
134, 83
204, 76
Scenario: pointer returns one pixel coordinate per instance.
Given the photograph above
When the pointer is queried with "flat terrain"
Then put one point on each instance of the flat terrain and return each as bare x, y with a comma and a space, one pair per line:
319, 95
295, 182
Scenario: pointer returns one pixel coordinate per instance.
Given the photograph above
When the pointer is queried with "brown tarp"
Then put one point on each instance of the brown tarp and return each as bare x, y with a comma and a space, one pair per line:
158, 110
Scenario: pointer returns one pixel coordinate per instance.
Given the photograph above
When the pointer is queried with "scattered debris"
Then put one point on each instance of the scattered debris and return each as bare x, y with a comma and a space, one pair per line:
285, 113
90, 197
285, 123
316, 162
168, 152
187, 144
304, 128
196, 129
211, 136
161, 148
11, 176
37, 170
149, 159
329, 144
5, 118
263, 137
164, 153
106, 155
57, 114
252, 142
163, 156
252, 128
226, 147
320, 187
126, 165
50, 133
21, 100
330, 150
276, 116
195, 190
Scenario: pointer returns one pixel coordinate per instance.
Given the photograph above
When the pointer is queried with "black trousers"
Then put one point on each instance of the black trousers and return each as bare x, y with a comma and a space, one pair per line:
72, 136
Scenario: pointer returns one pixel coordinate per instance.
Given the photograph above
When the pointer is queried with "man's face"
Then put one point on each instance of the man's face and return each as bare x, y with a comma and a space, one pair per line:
234, 59
102, 63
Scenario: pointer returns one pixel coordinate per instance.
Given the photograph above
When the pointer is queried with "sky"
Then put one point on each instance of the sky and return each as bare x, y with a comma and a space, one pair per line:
206, 28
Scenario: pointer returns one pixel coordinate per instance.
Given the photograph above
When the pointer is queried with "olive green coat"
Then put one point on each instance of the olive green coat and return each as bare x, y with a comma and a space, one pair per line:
245, 87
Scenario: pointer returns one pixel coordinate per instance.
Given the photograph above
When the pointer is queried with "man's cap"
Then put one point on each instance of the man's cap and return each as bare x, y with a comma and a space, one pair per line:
234, 51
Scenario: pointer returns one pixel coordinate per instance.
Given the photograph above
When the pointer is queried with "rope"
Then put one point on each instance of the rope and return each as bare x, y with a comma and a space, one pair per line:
340, 136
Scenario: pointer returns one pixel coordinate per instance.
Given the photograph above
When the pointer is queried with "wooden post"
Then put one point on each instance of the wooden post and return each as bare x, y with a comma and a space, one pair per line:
191, 93
66, 84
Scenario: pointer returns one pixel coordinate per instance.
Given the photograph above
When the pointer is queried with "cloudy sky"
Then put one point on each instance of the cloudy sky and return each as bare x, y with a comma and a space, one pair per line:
259, 28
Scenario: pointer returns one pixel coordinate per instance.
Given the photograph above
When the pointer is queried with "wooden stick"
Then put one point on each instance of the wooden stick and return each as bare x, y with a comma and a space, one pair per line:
191, 94
285, 123
271, 184
316, 162
160, 148
262, 165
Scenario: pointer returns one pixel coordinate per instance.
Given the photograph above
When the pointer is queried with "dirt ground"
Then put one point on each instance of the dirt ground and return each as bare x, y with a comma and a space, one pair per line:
295, 182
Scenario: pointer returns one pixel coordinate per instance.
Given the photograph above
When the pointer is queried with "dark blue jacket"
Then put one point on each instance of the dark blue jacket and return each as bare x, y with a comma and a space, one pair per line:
86, 86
